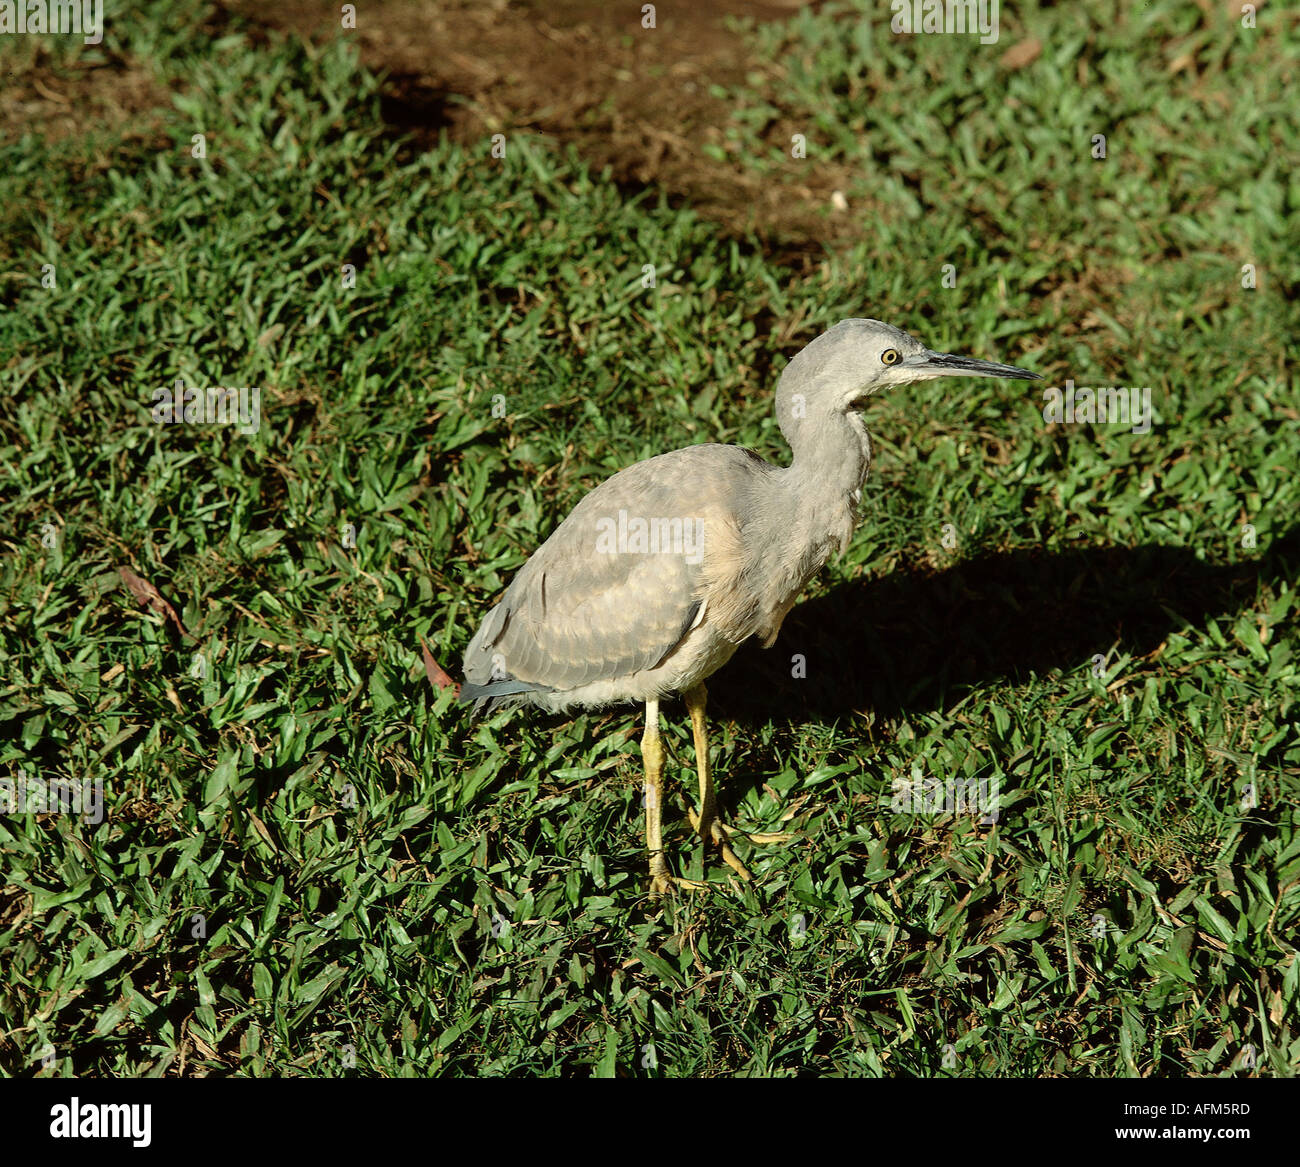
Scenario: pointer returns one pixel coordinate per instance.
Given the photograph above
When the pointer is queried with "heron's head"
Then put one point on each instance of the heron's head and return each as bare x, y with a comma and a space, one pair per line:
838, 371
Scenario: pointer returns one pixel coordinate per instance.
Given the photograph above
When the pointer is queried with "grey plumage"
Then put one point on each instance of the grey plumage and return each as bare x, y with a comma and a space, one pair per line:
574, 617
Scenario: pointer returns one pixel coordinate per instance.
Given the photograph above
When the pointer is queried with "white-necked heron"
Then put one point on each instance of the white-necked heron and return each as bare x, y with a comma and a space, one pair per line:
660, 572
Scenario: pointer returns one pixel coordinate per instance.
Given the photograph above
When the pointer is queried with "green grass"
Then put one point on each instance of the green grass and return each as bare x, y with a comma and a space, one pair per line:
312, 864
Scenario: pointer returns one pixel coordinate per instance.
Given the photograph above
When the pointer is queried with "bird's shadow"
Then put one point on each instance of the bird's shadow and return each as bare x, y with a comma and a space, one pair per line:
918, 640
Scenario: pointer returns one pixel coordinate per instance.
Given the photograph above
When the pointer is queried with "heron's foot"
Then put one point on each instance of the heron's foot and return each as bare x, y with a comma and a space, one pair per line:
718, 833
759, 838
662, 885
661, 882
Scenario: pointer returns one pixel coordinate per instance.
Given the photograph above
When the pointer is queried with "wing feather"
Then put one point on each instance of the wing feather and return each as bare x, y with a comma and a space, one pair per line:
581, 610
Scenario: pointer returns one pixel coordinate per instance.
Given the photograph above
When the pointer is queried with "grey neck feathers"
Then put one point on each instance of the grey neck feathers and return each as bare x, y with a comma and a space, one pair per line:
831, 456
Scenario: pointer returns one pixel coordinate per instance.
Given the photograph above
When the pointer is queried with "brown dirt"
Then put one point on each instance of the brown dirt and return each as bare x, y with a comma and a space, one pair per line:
584, 72
62, 101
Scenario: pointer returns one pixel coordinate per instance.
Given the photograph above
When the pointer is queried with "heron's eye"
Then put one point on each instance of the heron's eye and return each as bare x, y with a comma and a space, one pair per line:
891, 356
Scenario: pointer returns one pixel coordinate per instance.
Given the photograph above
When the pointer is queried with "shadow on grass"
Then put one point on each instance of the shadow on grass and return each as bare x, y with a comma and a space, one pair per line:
919, 641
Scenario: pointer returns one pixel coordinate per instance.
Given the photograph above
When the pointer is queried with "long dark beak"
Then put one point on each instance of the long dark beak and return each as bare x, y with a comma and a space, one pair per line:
947, 365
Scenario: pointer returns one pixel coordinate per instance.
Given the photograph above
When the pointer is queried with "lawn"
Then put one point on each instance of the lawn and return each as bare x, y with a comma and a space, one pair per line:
309, 861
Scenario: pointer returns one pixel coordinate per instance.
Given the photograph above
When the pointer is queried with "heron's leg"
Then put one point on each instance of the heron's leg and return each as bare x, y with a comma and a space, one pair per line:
652, 754
711, 830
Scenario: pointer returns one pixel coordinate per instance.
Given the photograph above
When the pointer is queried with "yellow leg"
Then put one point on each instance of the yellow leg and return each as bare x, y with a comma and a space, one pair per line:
652, 754
710, 829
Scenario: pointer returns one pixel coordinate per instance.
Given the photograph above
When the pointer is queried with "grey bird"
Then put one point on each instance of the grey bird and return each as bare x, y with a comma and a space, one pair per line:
661, 572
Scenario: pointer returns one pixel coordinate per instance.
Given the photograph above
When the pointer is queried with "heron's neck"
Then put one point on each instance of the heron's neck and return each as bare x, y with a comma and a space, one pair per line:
814, 508
802, 514
831, 456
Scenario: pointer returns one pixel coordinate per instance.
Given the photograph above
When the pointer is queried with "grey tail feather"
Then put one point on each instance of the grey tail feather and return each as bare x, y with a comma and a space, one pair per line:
472, 692
488, 697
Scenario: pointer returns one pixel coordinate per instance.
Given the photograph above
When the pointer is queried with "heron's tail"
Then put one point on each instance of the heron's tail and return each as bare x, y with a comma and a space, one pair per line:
495, 694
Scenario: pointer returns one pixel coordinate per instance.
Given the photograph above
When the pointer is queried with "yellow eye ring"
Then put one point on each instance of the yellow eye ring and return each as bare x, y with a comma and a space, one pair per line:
891, 356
